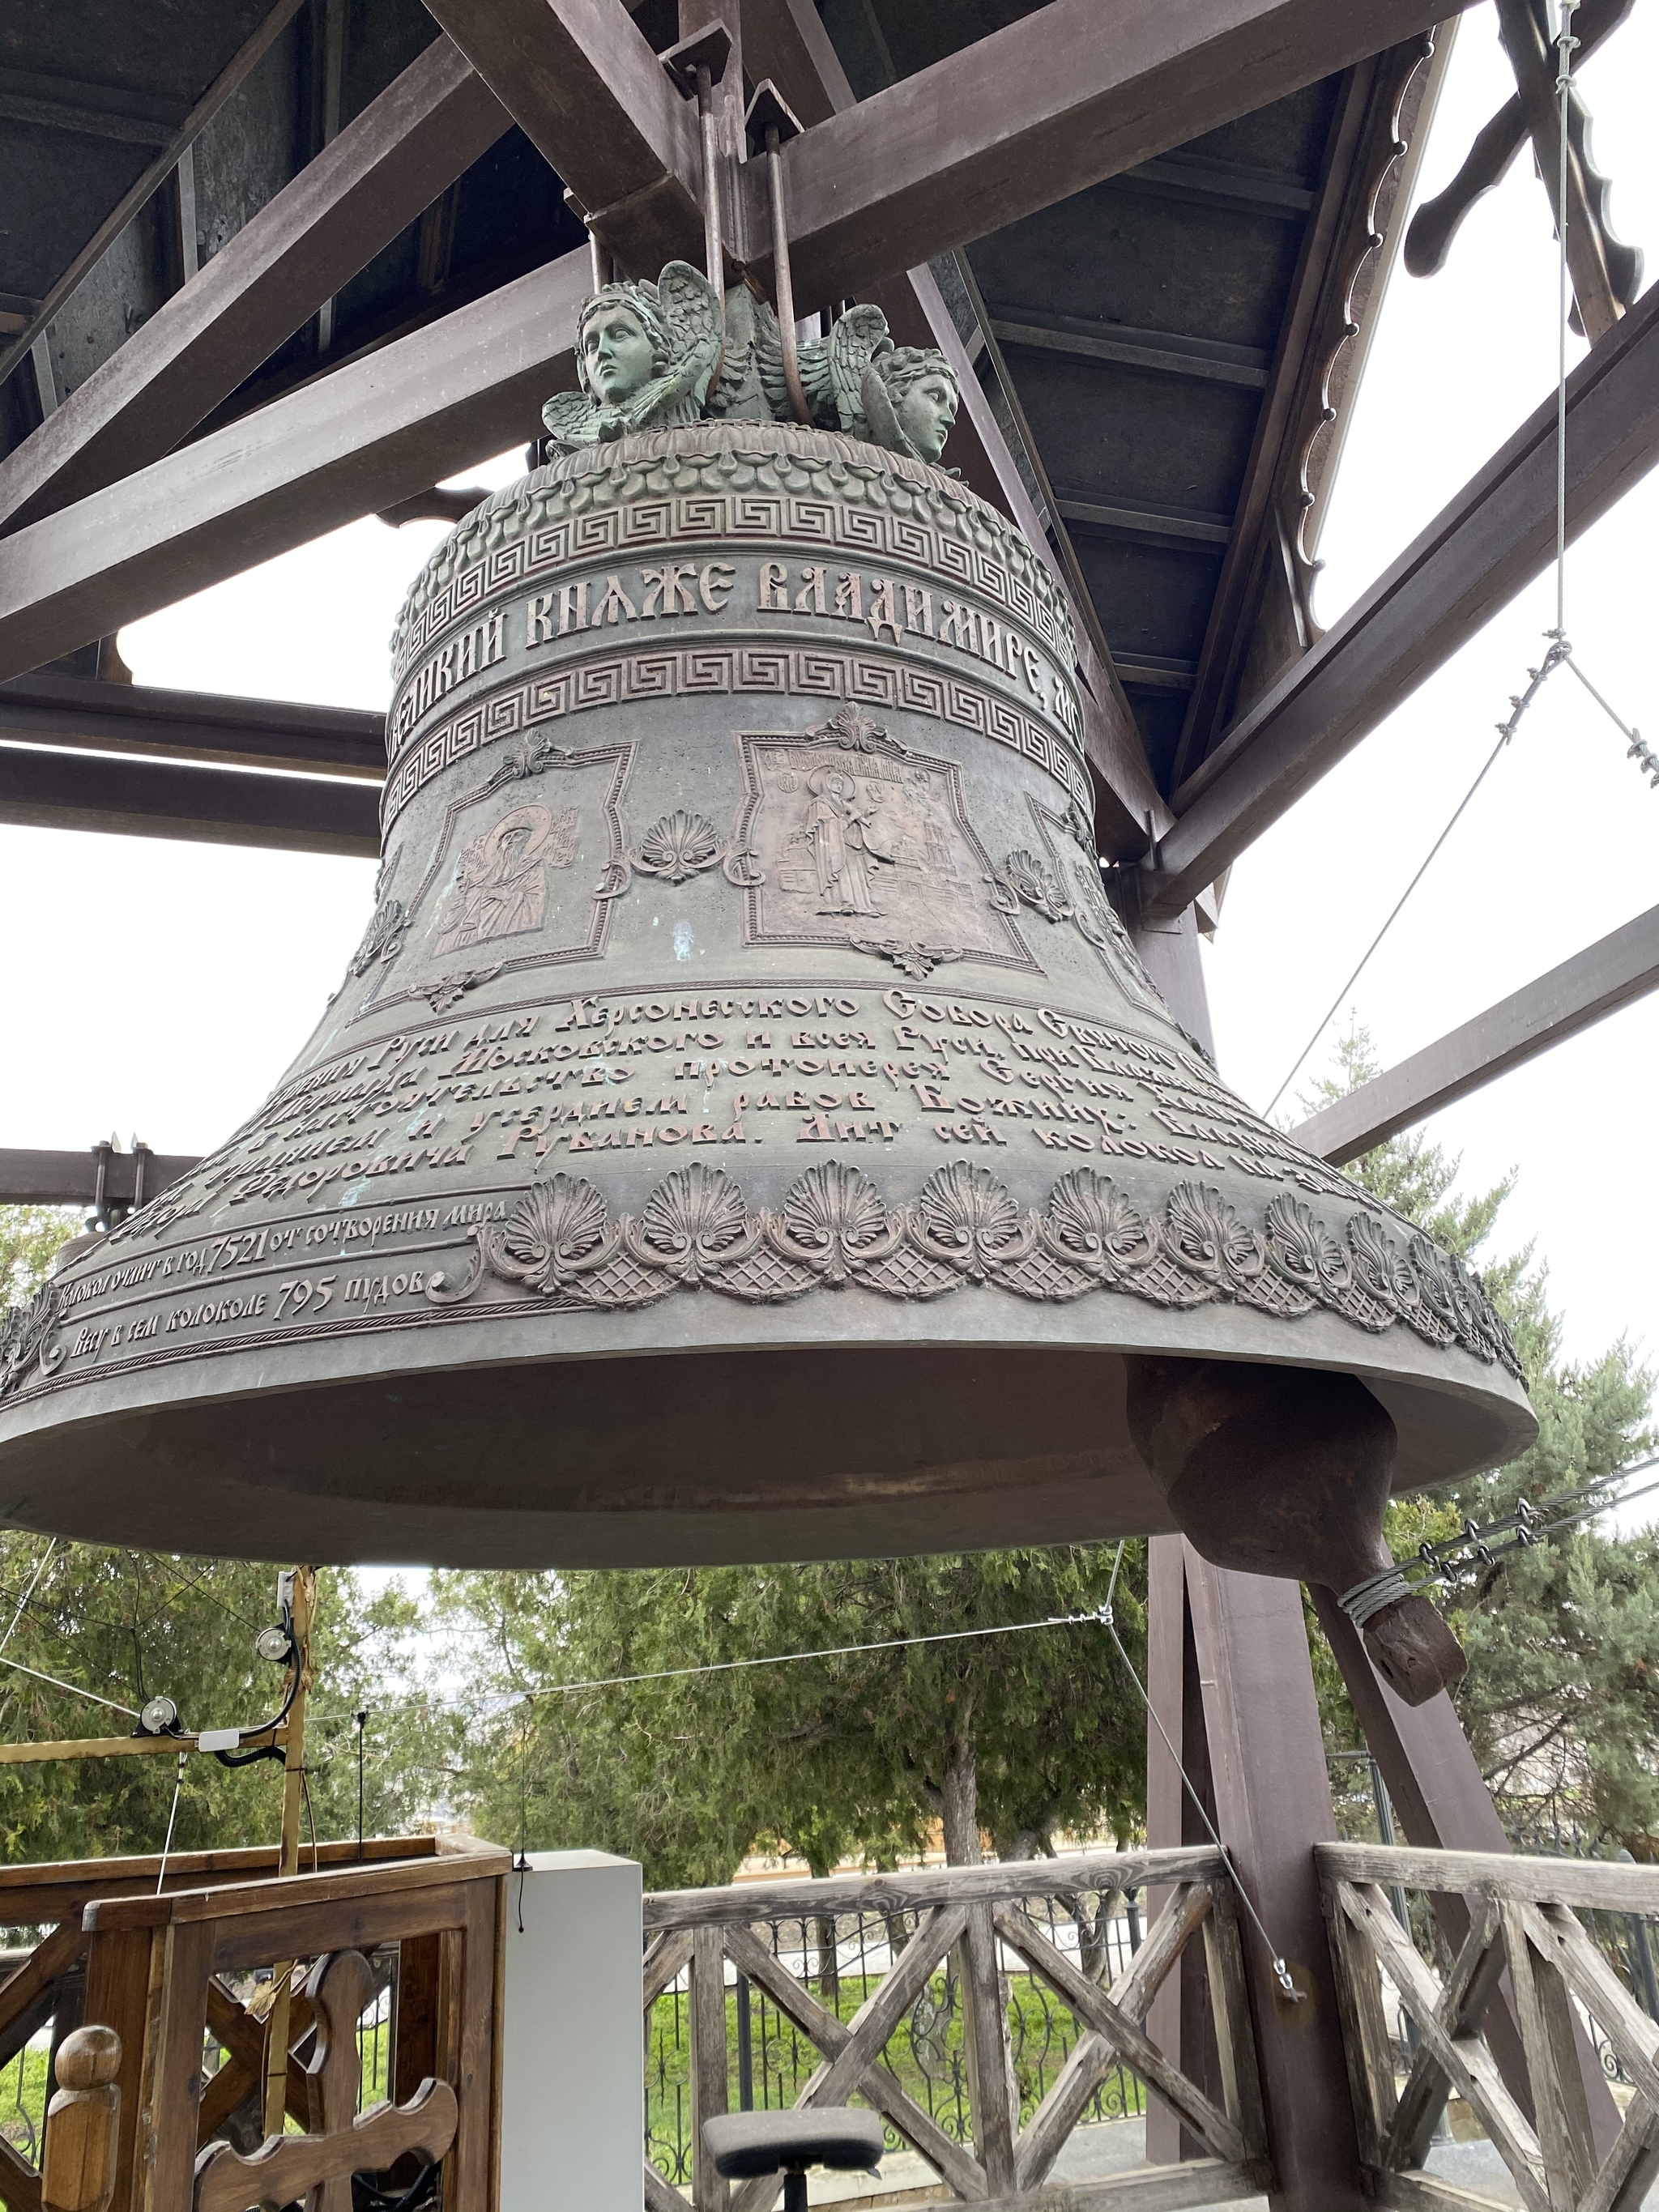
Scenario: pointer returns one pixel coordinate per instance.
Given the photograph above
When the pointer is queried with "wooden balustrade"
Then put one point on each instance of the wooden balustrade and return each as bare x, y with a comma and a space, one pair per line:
981, 1915
1523, 1916
153, 1975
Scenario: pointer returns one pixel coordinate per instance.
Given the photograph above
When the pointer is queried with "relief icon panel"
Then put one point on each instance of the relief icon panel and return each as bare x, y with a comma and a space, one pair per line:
524, 869
851, 839
500, 882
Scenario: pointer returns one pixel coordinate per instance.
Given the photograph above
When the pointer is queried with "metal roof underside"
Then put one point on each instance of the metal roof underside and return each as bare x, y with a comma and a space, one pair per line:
1129, 336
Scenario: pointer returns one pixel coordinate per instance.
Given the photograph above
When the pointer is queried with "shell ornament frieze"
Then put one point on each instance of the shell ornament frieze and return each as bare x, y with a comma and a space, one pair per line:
835, 1229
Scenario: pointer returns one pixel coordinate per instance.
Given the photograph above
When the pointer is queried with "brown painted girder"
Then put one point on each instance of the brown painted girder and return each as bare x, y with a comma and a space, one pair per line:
375, 432
1041, 110
390, 162
39, 1178
136, 797
583, 84
1614, 972
1484, 547
204, 726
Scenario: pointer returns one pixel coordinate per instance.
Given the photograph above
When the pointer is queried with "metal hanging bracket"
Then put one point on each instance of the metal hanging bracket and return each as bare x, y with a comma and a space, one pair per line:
708, 49
695, 66
770, 123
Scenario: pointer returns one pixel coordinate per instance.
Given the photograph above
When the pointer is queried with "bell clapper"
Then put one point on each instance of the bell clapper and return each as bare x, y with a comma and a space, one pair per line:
1288, 1471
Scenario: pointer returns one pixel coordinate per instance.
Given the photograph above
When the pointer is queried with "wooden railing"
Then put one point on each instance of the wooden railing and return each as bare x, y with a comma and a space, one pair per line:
152, 1977
1524, 1922
985, 1923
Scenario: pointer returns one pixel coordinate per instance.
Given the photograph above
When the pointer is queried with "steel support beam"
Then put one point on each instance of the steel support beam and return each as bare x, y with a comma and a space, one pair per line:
1042, 109
71, 1178
784, 40
583, 84
426, 128
136, 797
371, 434
1482, 549
1610, 974
230, 80
204, 726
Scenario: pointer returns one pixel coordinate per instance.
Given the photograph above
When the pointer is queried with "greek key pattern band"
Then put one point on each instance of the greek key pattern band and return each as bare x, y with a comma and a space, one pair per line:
736, 670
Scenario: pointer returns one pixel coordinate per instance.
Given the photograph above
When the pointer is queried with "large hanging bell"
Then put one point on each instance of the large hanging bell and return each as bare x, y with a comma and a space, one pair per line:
745, 1130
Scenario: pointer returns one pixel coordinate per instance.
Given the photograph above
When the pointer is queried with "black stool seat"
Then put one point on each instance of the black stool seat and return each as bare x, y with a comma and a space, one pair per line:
742, 2144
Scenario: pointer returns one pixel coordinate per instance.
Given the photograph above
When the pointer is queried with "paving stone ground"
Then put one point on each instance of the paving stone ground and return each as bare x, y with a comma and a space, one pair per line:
1118, 2147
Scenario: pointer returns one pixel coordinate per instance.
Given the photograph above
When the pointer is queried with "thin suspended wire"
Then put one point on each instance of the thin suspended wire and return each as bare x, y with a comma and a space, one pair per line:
1281, 1971
1564, 45
1508, 731
506, 1699
74, 1689
1560, 647
178, 1785
45, 1562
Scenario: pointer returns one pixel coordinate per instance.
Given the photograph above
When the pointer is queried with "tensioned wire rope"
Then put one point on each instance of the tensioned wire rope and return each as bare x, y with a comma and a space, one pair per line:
1589, 1500
1524, 1527
1560, 652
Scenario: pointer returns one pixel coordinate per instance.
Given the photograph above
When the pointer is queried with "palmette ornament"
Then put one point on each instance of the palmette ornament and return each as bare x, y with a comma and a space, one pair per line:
745, 1130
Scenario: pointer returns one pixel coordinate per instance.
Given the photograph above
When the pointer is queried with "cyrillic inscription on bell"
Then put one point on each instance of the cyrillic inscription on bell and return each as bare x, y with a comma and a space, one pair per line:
745, 1129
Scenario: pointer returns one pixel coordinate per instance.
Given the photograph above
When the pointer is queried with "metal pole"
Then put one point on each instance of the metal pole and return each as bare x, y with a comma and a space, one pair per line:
304, 1608
713, 250
745, 2050
783, 282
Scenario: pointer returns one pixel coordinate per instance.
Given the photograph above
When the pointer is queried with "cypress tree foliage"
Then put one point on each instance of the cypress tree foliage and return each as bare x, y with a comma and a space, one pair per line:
29, 1235
1561, 1700
1020, 1738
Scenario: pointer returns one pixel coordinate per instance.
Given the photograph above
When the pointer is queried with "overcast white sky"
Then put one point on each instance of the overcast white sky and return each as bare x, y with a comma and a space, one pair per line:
159, 988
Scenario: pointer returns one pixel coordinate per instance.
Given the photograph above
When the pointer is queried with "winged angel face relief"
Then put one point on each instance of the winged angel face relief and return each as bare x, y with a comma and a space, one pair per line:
650, 356
645, 355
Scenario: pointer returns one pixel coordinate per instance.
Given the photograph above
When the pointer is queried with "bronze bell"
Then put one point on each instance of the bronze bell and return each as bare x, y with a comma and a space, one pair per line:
745, 1130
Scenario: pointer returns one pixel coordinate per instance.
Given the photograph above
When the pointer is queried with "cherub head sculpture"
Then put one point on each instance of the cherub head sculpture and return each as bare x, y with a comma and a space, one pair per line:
922, 386
645, 355
621, 342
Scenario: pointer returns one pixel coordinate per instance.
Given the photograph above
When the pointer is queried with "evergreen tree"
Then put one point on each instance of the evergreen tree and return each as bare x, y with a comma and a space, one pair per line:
1561, 1700
1023, 1736
29, 1235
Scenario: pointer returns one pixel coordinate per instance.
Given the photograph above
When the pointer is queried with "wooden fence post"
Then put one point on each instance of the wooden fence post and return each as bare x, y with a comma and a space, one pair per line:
985, 2024
710, 2192
121, 1967
77, 2170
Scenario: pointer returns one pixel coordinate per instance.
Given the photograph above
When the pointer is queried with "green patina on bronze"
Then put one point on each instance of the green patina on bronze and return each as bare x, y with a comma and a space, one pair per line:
746, 1128
655, 356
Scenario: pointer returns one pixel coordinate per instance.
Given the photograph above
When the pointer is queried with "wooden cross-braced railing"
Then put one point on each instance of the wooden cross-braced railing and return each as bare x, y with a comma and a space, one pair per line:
155, 1973
1524, 1923
975, 1916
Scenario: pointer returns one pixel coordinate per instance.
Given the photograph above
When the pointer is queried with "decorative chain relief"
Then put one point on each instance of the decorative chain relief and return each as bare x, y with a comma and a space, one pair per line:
696, 1230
